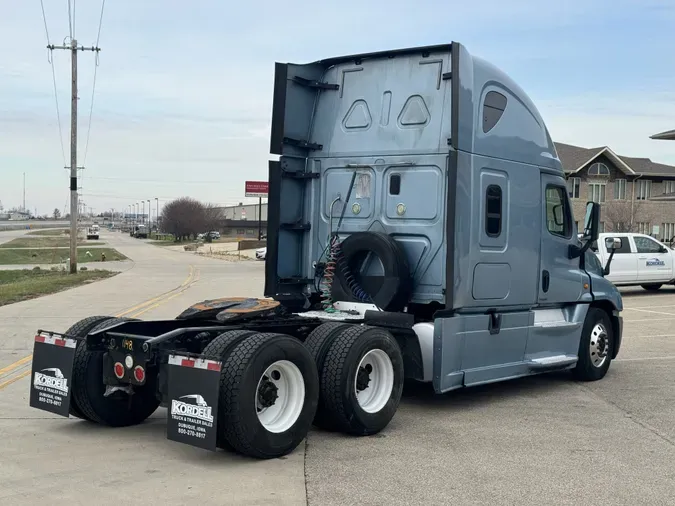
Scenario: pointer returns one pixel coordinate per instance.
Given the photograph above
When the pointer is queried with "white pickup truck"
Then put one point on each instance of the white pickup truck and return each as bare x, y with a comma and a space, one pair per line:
641, 260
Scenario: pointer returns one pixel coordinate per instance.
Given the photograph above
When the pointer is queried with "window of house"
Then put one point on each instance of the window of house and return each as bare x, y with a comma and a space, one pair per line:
241, 231
598, 169
644, 189
493, 210
668, 231
574, 187
646, 245
601, 227
620, 189
669, 187
642, 227
625, 245
596, 192
558, 216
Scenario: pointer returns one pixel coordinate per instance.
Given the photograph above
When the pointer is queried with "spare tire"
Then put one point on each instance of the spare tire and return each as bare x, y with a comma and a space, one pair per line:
390, 290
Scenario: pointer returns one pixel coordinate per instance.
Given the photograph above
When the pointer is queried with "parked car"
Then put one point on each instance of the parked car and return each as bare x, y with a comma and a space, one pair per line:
640, 260
260, 253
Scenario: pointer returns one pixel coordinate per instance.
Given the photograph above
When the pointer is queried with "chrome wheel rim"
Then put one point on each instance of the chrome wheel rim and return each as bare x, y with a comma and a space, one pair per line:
599, 345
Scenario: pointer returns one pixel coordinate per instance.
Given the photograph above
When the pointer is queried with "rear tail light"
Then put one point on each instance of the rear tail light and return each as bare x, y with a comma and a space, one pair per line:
139, 374
119, 370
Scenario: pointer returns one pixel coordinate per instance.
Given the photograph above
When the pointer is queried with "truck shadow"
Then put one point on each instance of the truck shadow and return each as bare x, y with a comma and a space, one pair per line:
641, 292
423, 394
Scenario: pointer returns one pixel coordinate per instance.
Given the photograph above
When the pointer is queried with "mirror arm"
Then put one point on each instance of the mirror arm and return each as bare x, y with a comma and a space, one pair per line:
605, 271
575, 251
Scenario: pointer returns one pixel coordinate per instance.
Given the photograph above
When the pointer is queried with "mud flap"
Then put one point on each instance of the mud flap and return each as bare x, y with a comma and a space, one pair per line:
52, 372
193, 388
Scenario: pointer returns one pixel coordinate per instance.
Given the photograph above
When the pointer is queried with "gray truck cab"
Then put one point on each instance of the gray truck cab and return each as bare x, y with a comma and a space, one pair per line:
419, 227
423, 183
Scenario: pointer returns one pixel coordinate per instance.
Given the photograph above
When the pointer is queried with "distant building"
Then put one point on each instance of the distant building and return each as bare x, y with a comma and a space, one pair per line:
243, 220
19, 216
636, 194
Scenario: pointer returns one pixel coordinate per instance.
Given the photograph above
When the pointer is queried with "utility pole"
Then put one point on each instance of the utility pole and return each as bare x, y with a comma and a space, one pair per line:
24, 192
73, 48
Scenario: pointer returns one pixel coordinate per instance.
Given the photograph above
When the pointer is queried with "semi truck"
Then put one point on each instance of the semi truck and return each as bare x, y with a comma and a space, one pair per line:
419, 229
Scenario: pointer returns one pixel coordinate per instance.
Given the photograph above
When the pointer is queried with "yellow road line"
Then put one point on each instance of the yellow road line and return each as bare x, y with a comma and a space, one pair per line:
163, 301
147, 302
16, 364
15, 378
142, 308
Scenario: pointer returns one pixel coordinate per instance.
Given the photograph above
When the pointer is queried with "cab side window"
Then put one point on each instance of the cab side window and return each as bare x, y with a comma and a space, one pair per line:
625, 245
646, 245
558, 216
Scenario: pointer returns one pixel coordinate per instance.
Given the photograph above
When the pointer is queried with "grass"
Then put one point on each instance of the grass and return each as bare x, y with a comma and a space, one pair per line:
44, 242
49, 231
56, 255
19, 285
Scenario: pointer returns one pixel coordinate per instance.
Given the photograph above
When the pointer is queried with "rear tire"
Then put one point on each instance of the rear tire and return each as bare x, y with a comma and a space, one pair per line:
219, 349
81, 329
595, 347
362, 380
318, 343
276, 373
118, 409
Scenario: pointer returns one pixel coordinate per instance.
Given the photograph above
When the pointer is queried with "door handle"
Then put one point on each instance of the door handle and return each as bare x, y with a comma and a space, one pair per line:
545, 278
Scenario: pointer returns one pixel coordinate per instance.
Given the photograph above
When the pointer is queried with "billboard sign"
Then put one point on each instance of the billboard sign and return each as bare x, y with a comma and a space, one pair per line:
257, 189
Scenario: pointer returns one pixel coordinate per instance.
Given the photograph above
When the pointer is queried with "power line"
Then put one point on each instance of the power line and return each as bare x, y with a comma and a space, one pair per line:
153, 181
56, 97
93, 88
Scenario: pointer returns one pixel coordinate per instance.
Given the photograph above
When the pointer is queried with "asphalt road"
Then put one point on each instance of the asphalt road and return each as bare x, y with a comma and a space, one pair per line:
541, 440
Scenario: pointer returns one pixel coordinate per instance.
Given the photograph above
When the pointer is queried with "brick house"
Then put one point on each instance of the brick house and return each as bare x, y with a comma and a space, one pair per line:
636, 194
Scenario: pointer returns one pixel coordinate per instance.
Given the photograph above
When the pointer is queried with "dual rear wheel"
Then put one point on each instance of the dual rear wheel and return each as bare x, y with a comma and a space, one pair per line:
272, 386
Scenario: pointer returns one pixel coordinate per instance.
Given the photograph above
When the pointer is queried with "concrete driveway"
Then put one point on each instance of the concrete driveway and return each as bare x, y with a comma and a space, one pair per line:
542, 440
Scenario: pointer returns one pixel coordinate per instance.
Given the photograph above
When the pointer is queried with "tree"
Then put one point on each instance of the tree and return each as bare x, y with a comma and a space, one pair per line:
184, 218
624, 215
213, 217
57, 213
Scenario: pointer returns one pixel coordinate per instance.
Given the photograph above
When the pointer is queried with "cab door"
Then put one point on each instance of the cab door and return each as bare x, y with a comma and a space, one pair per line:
654, 260
560, 278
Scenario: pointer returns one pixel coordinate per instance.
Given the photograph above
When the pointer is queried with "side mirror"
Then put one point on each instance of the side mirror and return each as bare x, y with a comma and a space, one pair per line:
614, 243
663, 249
591, 222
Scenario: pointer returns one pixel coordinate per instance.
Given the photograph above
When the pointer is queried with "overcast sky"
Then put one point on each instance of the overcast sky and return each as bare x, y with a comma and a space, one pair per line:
183, 91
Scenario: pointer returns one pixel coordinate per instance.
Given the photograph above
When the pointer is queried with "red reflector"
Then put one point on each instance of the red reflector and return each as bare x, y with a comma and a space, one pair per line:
213, 367
40, 339
119, 370
139, 373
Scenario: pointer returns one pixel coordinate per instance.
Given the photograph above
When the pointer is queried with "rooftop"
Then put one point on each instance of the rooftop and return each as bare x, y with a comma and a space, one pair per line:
575, 158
